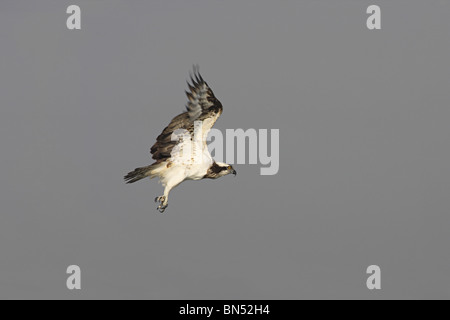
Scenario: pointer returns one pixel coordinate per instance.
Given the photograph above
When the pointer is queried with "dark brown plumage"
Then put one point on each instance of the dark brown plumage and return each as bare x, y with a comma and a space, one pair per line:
202, 104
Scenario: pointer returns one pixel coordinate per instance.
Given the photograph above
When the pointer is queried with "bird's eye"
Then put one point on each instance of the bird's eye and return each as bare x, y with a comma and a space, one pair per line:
229, 168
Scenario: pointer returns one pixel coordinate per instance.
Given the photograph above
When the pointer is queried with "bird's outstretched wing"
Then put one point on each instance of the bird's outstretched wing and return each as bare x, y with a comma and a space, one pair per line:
202, 106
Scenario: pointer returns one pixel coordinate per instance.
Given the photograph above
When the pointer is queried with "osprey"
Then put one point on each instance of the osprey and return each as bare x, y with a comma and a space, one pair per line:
180, 151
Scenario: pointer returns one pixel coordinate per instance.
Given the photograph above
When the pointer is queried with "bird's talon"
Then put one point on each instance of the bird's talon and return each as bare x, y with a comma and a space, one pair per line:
161, 208
160, 199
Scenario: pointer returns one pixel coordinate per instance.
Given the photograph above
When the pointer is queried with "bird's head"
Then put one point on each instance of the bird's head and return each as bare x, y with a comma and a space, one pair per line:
226, 169
219, 169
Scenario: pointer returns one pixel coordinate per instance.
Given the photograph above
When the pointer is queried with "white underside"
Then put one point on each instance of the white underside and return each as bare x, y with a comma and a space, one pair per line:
172, 173
189, 161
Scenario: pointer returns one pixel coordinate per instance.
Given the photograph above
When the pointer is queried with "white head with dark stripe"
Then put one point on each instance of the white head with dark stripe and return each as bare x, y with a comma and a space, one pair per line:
219, 169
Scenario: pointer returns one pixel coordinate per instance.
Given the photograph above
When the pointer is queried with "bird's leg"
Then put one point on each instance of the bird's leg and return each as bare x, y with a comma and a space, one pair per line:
164, 199
163, 202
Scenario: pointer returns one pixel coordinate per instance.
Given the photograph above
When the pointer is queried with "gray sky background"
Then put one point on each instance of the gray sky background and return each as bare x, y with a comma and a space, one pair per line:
364, 150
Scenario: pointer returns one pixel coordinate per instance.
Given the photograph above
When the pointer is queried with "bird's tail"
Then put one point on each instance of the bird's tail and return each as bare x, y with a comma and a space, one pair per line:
143, 172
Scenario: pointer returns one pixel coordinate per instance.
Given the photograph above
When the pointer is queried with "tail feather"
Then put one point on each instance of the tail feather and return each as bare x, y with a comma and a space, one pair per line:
139, 173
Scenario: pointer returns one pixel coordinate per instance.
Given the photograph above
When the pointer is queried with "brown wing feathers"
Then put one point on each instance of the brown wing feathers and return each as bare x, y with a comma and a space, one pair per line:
201, 104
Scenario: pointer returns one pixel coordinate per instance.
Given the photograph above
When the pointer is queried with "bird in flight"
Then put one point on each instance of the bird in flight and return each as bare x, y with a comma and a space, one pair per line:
180, 151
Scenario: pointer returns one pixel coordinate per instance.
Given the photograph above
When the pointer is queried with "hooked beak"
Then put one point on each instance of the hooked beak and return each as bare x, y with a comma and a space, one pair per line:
234, 172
